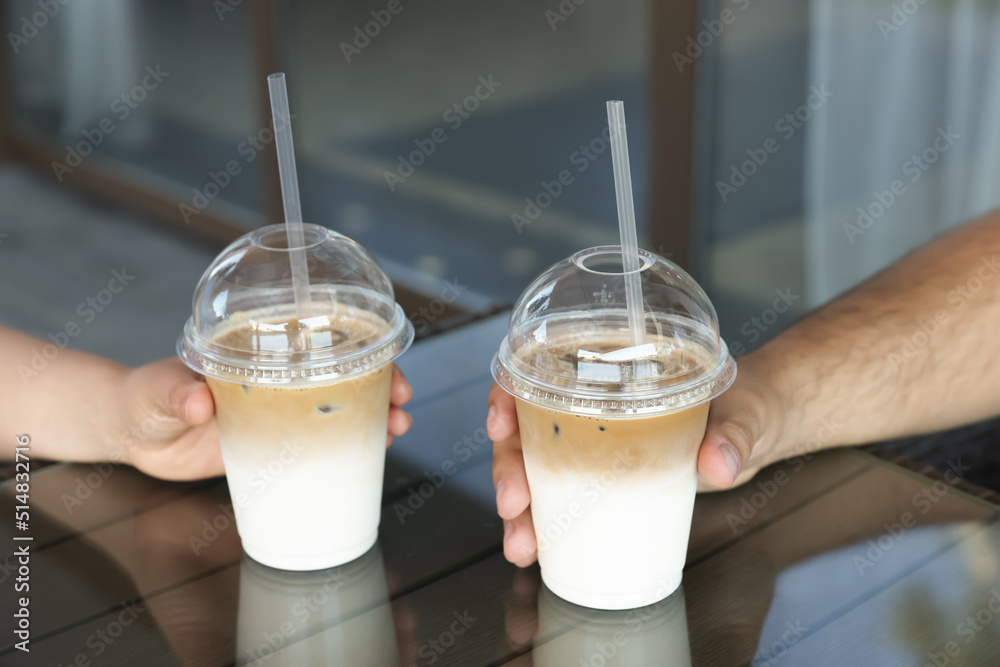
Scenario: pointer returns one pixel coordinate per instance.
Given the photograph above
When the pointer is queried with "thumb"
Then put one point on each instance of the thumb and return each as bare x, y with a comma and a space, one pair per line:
168, 392
744, 428
197, 405
725, 450
190, 399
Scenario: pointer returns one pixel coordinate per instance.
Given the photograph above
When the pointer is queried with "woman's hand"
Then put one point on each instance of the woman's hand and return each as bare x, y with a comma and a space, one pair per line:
167, 421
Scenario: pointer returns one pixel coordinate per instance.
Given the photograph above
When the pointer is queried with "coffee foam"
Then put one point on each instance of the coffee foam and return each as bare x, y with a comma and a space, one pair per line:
342, 416
338, 330
674, 359
570, 444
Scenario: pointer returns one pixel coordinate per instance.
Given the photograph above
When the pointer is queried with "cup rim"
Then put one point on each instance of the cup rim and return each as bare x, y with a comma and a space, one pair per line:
203, 360
654, 402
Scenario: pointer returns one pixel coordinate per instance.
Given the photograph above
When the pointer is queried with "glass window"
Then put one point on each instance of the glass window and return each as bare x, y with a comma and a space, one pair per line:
161, 93
838, 136
465, 141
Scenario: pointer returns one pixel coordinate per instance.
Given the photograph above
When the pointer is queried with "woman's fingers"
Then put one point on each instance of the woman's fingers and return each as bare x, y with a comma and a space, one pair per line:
199, 407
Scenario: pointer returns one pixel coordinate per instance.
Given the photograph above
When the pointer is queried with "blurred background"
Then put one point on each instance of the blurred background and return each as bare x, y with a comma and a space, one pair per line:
764, 137
781, 151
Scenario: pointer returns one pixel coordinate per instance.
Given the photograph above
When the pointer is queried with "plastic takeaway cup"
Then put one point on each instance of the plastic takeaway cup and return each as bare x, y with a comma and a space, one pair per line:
610, 431
301, 398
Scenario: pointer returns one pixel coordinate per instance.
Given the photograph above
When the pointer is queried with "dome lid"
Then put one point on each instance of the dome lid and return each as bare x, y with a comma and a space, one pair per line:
245, 326
568, 346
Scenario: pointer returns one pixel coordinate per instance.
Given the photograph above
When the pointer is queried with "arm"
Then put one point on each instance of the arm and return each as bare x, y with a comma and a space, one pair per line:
67, 401
80, 407
914, 349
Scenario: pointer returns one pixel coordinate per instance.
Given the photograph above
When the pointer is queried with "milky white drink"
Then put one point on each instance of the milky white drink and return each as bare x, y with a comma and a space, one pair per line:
301, 391
631, 481
305, 464
611, 422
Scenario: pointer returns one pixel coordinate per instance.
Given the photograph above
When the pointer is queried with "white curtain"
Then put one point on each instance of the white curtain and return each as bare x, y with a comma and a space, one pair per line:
897, 87
100, 62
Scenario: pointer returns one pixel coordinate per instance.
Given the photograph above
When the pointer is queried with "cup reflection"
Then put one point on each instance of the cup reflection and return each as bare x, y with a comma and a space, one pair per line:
337, 616
573, 636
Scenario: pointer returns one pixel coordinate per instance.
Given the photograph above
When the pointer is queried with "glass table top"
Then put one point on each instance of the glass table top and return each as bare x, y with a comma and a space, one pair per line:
839, 558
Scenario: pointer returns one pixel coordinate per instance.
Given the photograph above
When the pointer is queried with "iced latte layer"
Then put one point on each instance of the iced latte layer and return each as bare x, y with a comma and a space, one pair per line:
305, 463
612, 497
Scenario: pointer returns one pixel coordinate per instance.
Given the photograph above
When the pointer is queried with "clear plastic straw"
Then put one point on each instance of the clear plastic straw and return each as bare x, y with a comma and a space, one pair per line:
626, 222
289, 189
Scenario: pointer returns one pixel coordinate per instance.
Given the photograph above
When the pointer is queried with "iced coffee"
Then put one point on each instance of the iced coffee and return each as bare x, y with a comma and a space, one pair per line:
610, 430
301, 394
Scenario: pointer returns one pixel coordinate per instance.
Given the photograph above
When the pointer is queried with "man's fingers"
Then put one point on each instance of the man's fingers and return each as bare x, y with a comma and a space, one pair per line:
513, 496
401, 391
501, 419
519, 544
724, 451
399, 421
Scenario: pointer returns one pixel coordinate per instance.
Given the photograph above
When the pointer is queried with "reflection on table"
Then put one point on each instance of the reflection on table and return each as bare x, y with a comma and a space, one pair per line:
570, 635
336, 616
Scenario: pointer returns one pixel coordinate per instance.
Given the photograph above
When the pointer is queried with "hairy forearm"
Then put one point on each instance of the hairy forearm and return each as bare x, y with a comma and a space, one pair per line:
914, 349
64, 399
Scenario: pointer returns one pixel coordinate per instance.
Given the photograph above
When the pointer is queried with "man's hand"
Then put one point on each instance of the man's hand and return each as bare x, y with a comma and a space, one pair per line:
742, 437
167, 421
745, 428
513, 496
